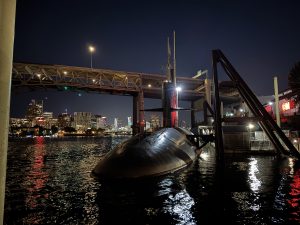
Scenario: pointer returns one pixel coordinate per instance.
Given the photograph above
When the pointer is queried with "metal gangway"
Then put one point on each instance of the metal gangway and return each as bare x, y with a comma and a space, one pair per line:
280, 141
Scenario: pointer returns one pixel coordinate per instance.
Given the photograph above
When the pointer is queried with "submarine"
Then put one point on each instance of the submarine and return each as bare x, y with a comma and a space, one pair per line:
163, 151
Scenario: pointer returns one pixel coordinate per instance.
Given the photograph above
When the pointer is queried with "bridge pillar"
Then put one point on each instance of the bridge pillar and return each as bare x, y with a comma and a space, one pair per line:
138, 121
7, 32
193, 115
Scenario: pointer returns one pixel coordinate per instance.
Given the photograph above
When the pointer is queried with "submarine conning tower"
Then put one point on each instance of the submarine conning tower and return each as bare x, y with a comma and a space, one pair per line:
169, 91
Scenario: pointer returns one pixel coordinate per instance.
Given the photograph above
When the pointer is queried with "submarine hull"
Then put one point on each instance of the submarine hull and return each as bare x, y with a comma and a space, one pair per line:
161, 152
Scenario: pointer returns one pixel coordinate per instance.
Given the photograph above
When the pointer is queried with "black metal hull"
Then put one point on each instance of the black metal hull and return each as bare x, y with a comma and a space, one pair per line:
161, 152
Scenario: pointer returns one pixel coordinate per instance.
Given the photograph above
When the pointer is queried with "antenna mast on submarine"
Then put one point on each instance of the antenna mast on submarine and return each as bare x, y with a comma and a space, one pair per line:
174, 61
169, 61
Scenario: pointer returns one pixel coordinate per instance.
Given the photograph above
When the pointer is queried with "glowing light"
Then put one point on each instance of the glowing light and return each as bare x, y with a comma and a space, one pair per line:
91, 48
149, 85
178, 89
250, 126
65, 72
286, 106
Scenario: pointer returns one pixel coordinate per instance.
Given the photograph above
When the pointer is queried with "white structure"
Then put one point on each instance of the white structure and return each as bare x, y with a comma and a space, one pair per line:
116, 123
129, 119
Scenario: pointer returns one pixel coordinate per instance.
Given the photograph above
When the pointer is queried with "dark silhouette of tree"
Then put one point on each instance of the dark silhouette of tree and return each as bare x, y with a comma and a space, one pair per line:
294, 80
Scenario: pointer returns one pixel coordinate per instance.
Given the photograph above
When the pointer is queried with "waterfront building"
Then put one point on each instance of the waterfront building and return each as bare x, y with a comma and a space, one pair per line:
129, 121
154, 121
34, 109
82, 121
49, 120
101, 122
19, 122
64, 120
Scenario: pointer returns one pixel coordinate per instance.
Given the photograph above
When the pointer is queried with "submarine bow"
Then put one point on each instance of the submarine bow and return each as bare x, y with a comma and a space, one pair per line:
161, 152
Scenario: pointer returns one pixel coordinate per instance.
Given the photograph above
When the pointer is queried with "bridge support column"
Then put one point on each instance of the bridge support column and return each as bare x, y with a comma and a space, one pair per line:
7, 32
138, 122
193, 115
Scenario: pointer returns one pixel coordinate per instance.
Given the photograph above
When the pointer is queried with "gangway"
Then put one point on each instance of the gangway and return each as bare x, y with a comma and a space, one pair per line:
280, 141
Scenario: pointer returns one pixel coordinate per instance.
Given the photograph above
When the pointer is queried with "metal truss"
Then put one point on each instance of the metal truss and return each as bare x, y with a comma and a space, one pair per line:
100, 80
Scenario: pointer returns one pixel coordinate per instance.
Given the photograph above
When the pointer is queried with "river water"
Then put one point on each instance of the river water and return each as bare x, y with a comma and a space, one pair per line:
48, 182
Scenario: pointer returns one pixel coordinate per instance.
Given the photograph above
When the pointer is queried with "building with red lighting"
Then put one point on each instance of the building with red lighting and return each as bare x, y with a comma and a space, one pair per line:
288, 110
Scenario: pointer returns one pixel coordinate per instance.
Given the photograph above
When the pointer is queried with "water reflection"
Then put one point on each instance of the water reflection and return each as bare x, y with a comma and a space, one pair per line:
254, 182
48, 182
294, 194
36, 179
177, 204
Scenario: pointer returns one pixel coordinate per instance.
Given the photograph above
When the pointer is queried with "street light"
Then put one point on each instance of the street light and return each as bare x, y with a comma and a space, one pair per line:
91, 49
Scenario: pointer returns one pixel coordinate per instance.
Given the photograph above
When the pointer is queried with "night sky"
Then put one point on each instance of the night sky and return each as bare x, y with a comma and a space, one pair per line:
260, 38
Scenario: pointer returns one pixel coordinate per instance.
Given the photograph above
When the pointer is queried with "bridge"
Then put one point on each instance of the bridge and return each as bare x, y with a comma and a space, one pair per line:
137, 85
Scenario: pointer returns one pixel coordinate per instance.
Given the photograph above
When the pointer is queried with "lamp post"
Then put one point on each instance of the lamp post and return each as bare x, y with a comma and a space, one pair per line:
91, 50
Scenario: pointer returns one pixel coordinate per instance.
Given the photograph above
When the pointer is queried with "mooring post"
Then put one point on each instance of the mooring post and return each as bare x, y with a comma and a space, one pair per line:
7, 32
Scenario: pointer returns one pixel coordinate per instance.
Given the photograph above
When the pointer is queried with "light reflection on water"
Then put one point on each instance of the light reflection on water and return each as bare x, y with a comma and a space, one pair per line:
49, 182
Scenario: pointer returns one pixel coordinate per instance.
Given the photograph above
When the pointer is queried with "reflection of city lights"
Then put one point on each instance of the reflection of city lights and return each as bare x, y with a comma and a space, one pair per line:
179, 204
37, 175
255, 183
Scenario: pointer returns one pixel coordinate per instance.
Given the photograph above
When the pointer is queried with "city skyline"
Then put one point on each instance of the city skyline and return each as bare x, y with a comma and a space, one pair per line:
46, 109
259, 38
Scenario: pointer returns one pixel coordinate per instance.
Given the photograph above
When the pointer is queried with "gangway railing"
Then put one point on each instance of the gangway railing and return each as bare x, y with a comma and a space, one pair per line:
281, 143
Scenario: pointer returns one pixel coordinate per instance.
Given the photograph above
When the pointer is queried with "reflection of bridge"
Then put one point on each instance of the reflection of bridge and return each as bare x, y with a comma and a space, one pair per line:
138, 85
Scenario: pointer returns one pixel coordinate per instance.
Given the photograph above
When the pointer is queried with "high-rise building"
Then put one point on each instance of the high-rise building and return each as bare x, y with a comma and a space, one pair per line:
116, 123
35, 108
101, 122
129, 119
82, 120
64, 120
154, 121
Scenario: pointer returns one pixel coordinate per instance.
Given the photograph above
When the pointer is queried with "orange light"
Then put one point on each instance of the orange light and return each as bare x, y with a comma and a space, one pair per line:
286, 106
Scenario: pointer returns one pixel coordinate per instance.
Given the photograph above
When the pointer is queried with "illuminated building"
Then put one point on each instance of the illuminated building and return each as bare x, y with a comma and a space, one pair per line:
154, 121
101, 122
129, 121
288, 109
34, 109
64, 120
82, 120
